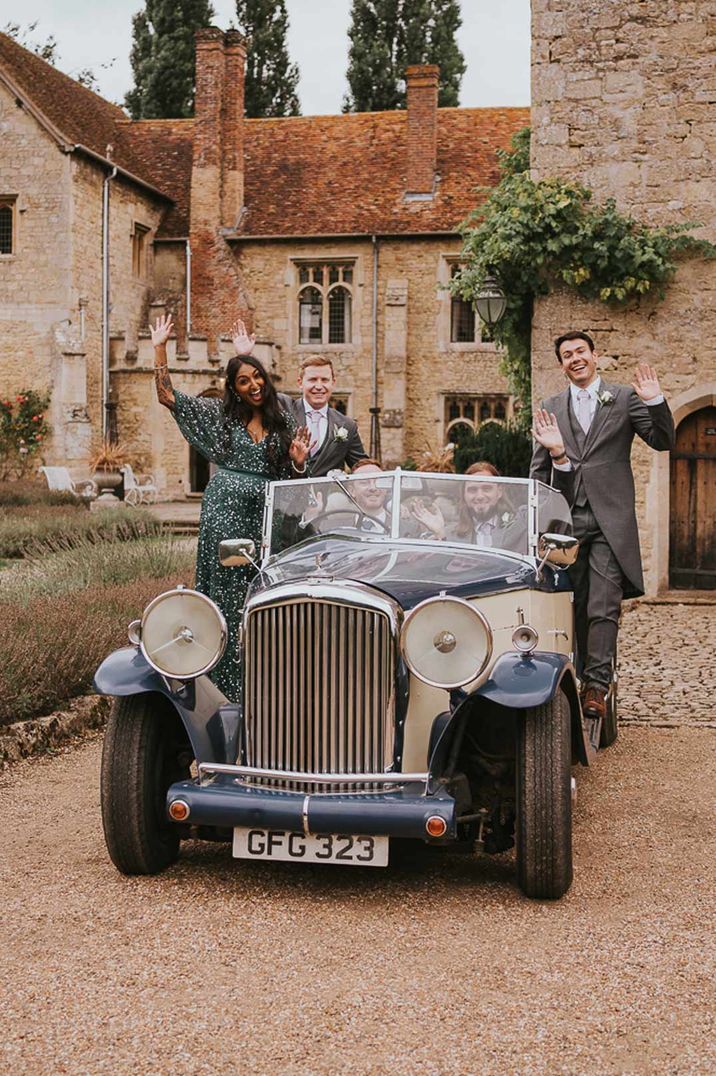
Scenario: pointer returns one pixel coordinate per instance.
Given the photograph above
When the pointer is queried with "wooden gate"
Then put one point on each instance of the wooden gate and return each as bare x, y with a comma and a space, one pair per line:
692, 547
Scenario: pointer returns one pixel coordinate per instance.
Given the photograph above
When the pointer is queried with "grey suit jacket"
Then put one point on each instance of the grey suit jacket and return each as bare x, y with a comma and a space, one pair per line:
604, 464
335, 452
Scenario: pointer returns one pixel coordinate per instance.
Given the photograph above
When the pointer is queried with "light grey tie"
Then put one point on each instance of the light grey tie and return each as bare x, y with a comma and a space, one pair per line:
584, 410
314, 421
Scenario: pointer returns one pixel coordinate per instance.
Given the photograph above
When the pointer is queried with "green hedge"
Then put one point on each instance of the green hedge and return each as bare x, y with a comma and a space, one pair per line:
505, 445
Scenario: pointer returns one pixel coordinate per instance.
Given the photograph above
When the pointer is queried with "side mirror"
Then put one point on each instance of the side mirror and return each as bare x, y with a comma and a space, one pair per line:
236, 552
559, 549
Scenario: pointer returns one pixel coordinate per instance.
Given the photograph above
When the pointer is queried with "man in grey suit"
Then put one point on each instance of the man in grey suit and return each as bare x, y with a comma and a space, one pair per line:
597, 421
335, 441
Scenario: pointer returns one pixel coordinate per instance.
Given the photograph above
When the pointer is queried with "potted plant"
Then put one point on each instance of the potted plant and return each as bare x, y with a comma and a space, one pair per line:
108, 458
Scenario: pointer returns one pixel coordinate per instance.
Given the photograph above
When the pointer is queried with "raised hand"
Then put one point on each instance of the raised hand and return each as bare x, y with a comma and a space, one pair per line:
431, 518
299, 448
161, 330
646, 382
546, 432
243, 343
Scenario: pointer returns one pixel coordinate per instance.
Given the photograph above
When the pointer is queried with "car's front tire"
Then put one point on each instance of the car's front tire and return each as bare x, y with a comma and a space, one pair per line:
544, 800
145, 751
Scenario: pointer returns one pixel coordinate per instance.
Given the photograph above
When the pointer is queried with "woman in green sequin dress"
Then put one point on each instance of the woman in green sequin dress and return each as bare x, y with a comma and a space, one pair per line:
252, 441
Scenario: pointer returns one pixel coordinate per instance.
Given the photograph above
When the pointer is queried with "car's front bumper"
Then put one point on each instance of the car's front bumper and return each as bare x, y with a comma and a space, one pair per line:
402, 812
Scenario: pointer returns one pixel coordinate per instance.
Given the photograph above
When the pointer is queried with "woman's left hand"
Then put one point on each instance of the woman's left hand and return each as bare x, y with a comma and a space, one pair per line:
243, 343
298, 451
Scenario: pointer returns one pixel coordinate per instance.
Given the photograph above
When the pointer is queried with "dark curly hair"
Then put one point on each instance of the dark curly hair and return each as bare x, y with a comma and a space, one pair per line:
276, 421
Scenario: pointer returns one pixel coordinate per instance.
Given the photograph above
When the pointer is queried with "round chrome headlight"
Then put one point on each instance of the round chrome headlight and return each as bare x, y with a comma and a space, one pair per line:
446, 642
183, 634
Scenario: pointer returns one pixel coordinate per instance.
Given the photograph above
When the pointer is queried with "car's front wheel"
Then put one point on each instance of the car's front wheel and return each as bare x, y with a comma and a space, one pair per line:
145, 751
544, 799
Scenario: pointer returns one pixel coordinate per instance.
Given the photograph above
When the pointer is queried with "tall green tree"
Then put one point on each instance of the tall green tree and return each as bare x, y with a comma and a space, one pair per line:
386, 36
162, 58
271, 79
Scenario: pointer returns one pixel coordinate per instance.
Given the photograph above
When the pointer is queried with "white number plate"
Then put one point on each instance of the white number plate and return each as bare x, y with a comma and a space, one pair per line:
344, 849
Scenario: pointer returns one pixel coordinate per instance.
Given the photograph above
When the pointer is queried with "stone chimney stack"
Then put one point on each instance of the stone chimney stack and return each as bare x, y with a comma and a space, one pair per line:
422, 87
232, 129
218, 294
217, 181
207, 159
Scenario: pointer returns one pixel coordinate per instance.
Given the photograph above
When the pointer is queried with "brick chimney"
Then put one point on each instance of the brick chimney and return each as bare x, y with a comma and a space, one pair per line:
422, 87
218, 294
217, 180
232, 129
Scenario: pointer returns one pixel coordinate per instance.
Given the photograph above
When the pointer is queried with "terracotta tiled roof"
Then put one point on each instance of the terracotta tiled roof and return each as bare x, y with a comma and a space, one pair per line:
80, 116
328, 175
337, 175
163, 149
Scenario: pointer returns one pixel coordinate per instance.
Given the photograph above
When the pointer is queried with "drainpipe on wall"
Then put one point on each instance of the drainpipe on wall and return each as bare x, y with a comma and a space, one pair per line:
375, 409
188, 292
105, 302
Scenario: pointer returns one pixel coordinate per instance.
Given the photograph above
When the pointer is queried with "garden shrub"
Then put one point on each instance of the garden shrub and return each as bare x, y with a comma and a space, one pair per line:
52, 645
506, 446
90, 563
46, 529
23, 432
32, 492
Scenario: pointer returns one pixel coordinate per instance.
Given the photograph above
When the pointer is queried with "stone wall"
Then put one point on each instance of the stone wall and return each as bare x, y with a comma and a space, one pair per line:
413, 307
51, 287
624, 100
34, 296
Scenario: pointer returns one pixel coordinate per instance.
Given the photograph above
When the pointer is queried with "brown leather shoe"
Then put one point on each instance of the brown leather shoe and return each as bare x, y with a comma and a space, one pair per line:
594, 702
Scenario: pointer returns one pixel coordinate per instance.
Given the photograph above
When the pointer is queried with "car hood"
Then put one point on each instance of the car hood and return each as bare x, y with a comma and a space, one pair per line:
408, 572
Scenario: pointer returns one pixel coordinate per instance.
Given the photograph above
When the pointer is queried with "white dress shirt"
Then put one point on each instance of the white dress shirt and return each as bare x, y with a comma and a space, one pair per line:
317, 426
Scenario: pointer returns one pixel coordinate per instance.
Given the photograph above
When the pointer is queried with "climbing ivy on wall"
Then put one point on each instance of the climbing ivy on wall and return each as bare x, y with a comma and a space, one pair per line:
538, 235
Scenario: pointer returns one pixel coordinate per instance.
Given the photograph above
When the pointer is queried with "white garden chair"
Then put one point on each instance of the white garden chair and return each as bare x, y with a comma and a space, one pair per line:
138, 489
59, 480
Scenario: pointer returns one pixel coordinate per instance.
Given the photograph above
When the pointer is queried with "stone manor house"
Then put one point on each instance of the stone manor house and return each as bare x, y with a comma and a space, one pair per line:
331, 234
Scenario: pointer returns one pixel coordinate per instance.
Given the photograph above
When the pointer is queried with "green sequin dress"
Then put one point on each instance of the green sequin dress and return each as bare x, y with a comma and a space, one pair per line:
232, 507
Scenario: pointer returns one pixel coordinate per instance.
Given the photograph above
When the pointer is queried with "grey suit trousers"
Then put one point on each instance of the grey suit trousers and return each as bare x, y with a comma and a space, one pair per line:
598, 588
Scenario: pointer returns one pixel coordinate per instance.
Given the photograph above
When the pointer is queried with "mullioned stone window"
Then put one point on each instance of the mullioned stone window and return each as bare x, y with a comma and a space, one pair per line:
325, 302
464, 414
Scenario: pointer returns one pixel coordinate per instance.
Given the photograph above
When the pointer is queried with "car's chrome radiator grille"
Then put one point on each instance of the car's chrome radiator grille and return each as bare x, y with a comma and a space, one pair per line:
319, 690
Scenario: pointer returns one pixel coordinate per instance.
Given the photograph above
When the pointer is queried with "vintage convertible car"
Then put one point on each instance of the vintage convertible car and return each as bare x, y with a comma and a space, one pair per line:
408, 672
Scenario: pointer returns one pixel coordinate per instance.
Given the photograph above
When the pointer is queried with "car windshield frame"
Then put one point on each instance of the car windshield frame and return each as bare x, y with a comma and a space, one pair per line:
396, 477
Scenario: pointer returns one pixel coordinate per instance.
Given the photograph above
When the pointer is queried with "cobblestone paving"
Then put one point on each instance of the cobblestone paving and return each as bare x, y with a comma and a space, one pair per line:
667, 668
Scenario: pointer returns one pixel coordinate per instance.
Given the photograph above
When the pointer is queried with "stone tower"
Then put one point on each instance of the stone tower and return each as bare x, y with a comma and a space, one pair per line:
624, 100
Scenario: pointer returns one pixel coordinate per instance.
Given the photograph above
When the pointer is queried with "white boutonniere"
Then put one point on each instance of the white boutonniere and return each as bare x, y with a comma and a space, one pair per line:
506, 518
604, 397
341, 434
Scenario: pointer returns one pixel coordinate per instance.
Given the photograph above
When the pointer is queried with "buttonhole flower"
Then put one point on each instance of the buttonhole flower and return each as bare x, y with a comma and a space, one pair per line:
605, 397
341, 434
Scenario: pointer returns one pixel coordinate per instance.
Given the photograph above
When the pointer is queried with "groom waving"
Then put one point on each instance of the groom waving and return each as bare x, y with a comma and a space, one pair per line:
598, 421
335, 441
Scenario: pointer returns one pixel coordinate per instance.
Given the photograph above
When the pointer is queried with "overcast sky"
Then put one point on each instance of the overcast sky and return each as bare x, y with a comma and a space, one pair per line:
494, 38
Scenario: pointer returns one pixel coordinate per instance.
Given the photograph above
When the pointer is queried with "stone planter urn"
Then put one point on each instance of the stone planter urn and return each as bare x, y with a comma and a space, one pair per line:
107, 482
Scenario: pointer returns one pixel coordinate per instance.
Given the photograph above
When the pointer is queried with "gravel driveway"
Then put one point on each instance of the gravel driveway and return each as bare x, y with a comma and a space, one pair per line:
436, 965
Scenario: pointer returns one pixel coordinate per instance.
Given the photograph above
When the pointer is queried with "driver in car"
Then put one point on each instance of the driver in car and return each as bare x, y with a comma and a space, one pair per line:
364, 509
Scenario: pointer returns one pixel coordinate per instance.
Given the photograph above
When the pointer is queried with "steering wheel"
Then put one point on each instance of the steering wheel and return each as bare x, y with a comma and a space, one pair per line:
356, 521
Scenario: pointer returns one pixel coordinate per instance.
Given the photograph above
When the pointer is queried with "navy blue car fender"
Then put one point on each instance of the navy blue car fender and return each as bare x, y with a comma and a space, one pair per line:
520, 681
212, 724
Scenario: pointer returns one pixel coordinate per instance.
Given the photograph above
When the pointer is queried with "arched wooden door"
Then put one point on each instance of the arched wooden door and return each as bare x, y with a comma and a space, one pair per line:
692, 546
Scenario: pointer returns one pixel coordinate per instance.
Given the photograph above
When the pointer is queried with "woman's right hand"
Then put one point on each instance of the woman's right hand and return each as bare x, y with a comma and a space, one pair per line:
161, 330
